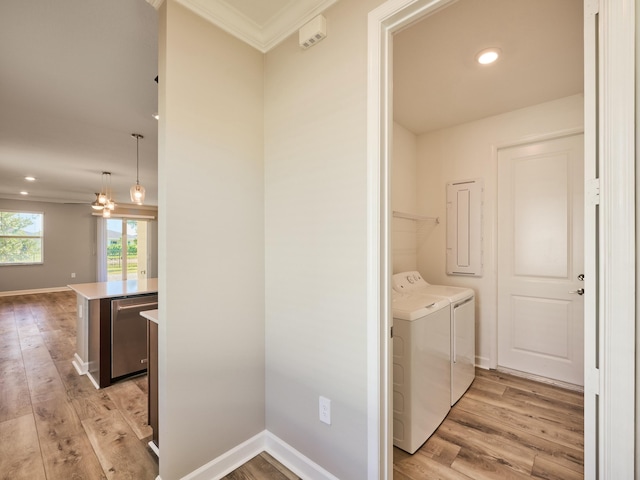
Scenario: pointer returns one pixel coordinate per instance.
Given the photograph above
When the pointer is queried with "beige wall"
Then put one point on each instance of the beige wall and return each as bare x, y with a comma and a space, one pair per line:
316, 239
315, 204
465, 152
211, 251
637, 421
222, 352
69, 246
312, 331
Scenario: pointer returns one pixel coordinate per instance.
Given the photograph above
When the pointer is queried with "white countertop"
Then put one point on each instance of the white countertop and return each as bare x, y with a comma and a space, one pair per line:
119, 288
150, 315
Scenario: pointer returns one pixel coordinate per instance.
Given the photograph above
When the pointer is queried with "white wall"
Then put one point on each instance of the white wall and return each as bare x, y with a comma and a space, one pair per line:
404, 242
211, 242
469, 151
316, 237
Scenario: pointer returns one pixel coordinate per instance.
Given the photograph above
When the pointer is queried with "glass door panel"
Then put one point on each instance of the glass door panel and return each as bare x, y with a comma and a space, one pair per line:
114, 249
126, 249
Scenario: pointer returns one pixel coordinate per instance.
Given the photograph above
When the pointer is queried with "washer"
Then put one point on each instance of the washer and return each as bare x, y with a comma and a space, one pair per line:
421, 367
463, 344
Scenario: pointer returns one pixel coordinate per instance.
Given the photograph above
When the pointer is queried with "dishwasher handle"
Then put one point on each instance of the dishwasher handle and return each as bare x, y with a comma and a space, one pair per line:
137, 306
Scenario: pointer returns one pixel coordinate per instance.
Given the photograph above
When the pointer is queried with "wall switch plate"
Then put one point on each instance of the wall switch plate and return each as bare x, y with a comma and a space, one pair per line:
325, 410
73, 275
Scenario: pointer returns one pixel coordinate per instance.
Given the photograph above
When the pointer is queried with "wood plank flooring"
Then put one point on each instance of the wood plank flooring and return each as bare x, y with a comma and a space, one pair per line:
504, 427
54, 424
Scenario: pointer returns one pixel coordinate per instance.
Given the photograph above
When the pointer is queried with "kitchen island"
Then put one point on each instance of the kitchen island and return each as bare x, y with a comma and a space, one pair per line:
95, 333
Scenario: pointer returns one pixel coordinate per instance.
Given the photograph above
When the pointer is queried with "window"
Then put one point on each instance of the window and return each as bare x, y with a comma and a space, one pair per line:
21, 238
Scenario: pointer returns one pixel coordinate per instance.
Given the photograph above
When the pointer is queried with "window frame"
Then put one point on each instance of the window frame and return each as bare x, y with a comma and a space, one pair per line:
40, 237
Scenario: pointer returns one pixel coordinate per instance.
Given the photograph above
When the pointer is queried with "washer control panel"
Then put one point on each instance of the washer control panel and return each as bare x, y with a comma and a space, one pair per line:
408, 281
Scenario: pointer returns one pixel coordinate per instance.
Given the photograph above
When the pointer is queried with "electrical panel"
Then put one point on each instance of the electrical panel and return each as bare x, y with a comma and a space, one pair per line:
464, 228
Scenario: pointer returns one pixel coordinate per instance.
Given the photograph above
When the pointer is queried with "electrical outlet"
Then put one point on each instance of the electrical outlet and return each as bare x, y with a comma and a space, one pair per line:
325, 410
73, 275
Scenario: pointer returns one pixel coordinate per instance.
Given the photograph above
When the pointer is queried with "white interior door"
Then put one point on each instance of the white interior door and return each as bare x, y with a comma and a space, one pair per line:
540, 256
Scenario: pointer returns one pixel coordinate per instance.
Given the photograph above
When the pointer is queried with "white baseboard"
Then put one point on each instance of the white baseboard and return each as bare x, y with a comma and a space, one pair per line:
81, 367
538, 378
229, 461
93, 380
264, 441
483, 362
154, 448
32, 291
294, 460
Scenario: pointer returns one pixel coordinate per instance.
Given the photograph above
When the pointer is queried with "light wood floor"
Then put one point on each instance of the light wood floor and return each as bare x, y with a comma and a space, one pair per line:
55, 425
504, 427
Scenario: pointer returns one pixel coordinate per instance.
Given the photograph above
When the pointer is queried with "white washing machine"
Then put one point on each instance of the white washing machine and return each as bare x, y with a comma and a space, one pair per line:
463, 323
421, 367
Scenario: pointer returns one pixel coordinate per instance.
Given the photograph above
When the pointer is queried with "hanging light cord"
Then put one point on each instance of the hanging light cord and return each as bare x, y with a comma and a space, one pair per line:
137, 160
138, 137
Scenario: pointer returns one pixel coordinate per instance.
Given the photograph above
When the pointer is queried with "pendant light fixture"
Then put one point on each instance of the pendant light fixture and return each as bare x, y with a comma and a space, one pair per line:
103, 200
102, 196
109, 205
137, 191
96, 205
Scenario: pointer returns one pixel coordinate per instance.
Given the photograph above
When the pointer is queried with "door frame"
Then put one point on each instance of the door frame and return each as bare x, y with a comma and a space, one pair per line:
615, 116
383, 22
610, 334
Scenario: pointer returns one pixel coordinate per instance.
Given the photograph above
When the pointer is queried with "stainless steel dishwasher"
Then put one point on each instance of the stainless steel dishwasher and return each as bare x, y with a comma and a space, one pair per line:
129, 334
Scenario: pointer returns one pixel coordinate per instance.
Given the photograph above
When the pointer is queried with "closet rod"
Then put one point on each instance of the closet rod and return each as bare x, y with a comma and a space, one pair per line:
411, 216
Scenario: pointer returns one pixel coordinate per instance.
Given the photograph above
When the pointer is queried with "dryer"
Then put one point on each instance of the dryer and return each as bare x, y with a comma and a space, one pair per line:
463, 346
421, 367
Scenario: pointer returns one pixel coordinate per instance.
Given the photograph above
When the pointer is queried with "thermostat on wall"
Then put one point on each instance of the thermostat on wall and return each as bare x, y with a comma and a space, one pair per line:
313, 32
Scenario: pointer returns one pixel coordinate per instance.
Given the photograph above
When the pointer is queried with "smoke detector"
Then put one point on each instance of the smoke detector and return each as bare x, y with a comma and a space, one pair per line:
312, 32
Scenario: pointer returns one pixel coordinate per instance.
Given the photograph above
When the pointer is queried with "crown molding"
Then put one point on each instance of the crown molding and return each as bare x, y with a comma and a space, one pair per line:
155, 3
261, 37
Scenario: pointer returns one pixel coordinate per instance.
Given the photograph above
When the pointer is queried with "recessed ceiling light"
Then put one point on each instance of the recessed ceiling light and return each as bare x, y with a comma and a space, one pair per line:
30, 179
24, 193
487, 56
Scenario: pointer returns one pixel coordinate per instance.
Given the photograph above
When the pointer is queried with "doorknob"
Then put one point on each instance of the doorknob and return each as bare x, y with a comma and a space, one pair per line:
579, 291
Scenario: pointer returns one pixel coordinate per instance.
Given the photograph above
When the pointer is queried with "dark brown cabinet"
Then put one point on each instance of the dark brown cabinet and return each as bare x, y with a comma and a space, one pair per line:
152, 376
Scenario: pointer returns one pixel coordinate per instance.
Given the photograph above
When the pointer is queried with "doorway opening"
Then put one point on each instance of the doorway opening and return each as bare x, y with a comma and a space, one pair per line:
391, 18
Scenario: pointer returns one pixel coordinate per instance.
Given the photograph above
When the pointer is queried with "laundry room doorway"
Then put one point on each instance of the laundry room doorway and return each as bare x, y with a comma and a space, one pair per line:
541, 261
609, 312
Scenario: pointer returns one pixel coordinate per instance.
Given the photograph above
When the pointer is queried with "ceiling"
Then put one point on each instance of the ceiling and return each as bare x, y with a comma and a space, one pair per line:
77, 78
438, 83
